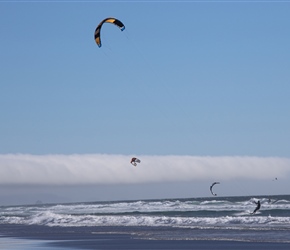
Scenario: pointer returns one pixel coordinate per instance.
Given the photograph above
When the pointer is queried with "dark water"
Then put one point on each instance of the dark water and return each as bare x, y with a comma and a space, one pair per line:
222, 219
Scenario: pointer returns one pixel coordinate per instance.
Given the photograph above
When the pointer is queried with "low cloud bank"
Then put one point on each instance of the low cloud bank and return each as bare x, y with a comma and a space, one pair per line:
116, 169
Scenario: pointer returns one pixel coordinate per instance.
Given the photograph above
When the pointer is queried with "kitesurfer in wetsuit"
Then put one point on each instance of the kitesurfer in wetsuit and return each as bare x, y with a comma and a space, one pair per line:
258, 207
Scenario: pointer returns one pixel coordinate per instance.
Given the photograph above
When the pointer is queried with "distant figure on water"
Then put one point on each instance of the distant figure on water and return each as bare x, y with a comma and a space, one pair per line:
258, 207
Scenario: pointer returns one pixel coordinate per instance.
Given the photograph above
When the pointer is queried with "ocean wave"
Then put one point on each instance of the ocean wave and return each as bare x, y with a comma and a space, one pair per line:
202, 212
67, 220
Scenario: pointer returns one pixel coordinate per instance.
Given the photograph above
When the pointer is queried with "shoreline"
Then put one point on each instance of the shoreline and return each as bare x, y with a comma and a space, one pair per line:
116, 238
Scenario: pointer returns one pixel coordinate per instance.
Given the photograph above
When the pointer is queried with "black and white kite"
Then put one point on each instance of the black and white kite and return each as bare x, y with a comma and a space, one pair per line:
134, 161
212, 187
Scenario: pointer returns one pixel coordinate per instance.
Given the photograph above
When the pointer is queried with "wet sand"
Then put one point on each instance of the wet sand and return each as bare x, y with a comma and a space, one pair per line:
55, 238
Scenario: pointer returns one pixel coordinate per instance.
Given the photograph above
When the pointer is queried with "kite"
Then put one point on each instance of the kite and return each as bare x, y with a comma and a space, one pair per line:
212, 187
112, 20
134, 161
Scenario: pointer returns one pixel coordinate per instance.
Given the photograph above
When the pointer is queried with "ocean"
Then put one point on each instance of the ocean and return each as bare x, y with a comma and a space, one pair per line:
181, 223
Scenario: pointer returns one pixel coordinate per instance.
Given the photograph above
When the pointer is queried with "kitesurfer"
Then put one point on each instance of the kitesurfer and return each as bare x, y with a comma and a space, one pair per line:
258, 207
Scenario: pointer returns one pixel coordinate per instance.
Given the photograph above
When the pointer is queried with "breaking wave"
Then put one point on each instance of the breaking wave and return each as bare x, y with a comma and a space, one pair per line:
232, 212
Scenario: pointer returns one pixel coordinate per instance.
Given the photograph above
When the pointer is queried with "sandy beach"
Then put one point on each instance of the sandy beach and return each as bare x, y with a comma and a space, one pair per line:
54, 238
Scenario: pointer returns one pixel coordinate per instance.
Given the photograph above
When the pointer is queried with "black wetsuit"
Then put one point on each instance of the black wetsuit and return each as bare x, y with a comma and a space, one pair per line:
258, 207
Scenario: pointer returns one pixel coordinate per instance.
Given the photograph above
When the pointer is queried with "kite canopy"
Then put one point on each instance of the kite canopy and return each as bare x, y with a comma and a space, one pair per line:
134, 161
212, 187
107, 20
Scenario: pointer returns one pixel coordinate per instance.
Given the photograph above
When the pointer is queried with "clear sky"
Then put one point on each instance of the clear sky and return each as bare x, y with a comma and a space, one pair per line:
185, 78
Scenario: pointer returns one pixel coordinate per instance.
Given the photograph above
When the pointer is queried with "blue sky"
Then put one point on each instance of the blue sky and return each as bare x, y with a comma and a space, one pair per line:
199, 78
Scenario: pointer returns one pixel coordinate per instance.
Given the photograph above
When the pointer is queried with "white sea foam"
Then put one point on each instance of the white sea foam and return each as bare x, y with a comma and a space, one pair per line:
174, 213
65, 220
